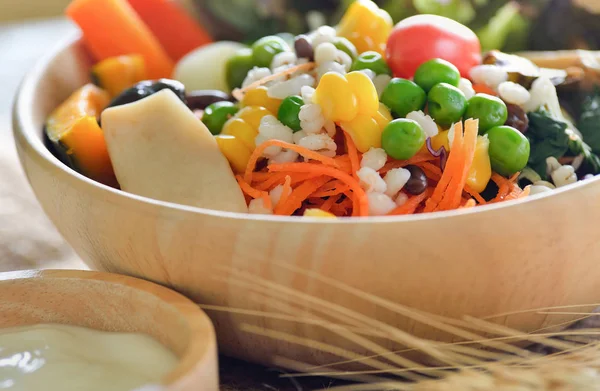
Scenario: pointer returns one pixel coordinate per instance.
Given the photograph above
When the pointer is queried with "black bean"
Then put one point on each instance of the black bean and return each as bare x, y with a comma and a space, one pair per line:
199, 99
517, 118
417, 183
303, 47
146, 88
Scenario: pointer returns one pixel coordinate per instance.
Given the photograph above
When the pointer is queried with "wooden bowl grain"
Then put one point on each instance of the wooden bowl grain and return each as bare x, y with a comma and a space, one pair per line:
509, 257
111, 302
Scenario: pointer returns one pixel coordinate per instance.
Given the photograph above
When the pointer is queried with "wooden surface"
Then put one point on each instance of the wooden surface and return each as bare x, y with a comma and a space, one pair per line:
117, 303
507, 257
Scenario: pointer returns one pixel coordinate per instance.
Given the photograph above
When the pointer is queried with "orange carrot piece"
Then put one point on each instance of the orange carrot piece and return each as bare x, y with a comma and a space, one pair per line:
410, 206
415, 160
326, 206
362, 207
299, 194
483, 89
267, 201
269, 184
249, 190
112, 28
431, 170
475, 195
285, 194
330, 189
504, 187
307, 153
177, 32
353, 154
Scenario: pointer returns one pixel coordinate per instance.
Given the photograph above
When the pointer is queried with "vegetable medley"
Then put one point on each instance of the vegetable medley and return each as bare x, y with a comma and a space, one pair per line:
361, 119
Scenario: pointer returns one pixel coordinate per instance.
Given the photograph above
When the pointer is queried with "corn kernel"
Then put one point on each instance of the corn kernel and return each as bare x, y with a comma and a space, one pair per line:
259, 97
440, 140
365, 132
336, 98
481, 168
383, 116
235, 150
242, 130
318, 213
365, 91
253, 114
366, 26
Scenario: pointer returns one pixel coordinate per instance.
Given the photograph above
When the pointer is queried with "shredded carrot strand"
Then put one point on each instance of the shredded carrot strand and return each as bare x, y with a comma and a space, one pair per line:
415, 160
269, 184
299, 194
504, 187
249, 190
362, 207
410, 205
475, 195
239, 93
307, 153
353, 154
285, 194
332, 188
326, 206
267, 201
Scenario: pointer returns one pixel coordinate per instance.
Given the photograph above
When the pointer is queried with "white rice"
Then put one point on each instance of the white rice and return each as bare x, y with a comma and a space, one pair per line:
285, 156
307, 92
326, 52
466, 87
563, 176
369, 73
290, 87
401, 199
311, 118
320, 143
380, 82
425, 121
257, 207
299, 136
380, 204
490, 75
322, 35
255, 74
270, 128
276, 193
371, 181
395, 179
331, 66
374, 158
283, 59
513, 93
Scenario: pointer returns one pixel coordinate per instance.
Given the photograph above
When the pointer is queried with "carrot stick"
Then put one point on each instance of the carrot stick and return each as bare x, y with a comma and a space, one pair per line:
299, 194
329, 202
112, 28
270, 183
475, 195
504, 187
177, 32
411, 205
362, 207
249, 190
307, 153
285, 194
353, 154
332, 188
415, 160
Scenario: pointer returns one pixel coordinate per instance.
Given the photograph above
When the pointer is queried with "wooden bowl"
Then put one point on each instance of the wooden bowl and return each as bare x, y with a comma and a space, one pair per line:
111, 302
508, 257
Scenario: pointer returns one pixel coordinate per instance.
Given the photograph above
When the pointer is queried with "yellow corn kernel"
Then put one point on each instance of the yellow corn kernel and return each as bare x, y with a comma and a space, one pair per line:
336, 98
366, 26
383, 116
366, 94
318, 213
365, 132
259, 97
235, 150
242, 130
252, 115
440, 140
481, 169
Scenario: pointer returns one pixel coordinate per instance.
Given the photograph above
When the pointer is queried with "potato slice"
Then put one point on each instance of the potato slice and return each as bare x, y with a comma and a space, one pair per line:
160, 150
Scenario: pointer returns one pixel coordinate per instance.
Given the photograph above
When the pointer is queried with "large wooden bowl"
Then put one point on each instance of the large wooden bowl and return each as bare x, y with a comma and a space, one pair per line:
112, 302
509, 257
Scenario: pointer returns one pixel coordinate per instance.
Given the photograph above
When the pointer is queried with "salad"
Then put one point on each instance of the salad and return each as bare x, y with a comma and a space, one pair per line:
365, 118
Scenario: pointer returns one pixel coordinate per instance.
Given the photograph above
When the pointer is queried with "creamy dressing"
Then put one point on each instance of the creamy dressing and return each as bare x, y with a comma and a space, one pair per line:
67, 358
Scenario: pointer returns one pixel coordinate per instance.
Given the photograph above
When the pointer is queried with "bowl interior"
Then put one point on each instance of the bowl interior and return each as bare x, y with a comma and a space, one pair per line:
114, 303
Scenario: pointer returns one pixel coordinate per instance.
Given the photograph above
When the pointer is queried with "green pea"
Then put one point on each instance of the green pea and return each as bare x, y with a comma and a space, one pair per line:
237, 67
446, 104
216, 114
373, 61
489, 110
402, 96
266, 48
346, 46
402, 138
509, 150
289, 112
436, 71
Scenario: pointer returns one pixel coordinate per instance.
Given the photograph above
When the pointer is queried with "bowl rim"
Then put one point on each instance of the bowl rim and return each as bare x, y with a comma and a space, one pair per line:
24, 128
201, 347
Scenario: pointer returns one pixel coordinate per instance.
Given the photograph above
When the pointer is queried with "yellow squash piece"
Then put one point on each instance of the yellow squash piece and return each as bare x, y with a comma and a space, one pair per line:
366, 26
76, 136
481, 169
116, 74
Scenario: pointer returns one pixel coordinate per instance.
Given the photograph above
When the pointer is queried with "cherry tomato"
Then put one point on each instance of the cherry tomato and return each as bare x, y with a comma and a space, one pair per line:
421, 38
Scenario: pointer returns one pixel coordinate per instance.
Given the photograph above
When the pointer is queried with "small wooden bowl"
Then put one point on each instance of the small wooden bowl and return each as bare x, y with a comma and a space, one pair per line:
502, 258
111, 302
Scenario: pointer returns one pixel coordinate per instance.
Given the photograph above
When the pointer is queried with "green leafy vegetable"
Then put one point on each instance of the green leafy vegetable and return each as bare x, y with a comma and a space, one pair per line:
589, 122
548, 137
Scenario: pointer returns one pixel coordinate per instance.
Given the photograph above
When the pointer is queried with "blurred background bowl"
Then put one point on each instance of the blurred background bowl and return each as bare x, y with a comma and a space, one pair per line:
282, 272
117, 304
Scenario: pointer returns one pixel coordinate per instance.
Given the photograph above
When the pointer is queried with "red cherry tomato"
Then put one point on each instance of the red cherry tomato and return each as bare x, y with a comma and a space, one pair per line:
420, 38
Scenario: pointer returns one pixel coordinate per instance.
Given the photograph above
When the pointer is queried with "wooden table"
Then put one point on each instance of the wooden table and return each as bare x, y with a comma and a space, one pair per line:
27, 238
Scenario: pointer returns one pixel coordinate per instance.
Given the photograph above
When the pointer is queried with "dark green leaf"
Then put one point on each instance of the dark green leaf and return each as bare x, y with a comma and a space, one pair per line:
548, 137
589, 121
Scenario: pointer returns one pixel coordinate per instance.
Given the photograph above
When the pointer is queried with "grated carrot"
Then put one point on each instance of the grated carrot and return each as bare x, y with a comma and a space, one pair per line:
475, 195
332, 188
270, 183
525, 192
249, 190
326, 206
239, 93
362, 203
353, 155
307, 153
415, 160
267, 201
410, 205
285, 194
504, 187
299, 195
